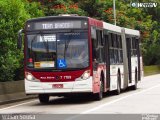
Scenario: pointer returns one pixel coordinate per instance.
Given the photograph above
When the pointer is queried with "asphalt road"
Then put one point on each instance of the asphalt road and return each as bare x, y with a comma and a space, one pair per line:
146, 99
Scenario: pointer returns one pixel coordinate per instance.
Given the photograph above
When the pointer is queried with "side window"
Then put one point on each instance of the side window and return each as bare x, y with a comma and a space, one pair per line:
128, 41
97, 44
94, 42
120, 50
115, 47
94, 37
111, 50
134, 48
99, 48
138, 46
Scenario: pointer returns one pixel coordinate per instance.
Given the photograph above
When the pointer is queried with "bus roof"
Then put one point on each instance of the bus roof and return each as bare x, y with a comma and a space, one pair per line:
132, 32
118, 29
111, 27
56, 17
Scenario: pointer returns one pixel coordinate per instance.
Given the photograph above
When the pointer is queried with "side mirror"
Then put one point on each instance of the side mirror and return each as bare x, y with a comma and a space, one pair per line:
19, 41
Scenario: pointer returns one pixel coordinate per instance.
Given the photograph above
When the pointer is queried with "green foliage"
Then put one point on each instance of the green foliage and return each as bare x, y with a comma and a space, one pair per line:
56, 7
93, 8
13, 14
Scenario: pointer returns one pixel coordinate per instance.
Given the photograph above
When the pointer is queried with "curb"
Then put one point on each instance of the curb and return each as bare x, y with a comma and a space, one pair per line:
15, 97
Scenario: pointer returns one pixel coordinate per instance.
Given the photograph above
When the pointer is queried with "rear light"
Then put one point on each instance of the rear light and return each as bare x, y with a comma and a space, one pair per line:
30, 60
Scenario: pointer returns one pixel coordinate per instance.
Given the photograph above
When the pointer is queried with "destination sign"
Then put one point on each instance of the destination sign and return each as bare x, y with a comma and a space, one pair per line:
63, 24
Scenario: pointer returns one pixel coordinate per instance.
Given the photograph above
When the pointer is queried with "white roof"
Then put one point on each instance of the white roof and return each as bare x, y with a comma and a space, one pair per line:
111, 27
115, 28
132, 32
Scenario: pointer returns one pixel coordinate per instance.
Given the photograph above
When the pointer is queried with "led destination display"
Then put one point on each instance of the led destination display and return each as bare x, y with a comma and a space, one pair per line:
57, 25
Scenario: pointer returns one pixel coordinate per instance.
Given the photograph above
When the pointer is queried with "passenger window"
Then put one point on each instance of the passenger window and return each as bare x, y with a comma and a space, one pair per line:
116, 53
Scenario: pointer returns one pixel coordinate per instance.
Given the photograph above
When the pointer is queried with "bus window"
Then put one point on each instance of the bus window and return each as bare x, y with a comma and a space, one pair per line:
100, 46
94, 43
116, 53
133, 47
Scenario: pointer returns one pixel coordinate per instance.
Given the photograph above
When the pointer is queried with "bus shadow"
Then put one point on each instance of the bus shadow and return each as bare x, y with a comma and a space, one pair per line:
82, 99
85, 99
123, 92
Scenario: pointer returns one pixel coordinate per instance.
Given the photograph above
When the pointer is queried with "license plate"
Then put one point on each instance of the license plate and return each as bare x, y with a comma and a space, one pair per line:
57, 86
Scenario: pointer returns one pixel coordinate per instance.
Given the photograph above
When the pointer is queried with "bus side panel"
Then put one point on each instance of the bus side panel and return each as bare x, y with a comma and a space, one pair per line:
96, 79
95, 25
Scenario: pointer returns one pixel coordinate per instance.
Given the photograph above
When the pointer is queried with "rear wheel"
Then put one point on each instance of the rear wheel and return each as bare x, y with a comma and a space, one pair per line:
99, 96
43, 98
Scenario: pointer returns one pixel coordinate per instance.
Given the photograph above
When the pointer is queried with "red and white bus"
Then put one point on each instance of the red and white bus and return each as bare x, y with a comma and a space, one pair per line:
76, 54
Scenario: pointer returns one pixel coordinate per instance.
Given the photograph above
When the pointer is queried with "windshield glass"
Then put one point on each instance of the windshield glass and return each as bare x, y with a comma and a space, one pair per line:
58, 51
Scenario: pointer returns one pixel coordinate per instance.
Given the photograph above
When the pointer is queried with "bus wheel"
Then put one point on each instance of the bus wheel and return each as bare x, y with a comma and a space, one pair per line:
99, 96
43, 98
118, 91
134, 87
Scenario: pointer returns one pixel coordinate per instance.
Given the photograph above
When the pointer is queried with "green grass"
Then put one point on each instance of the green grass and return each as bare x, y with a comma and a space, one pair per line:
151, 70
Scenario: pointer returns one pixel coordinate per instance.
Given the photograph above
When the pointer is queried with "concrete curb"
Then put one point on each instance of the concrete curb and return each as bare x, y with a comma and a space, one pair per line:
15, 97
13, 91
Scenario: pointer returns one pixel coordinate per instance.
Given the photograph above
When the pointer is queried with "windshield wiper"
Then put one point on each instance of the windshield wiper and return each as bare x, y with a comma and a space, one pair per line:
44, 42
32, 43
66, 45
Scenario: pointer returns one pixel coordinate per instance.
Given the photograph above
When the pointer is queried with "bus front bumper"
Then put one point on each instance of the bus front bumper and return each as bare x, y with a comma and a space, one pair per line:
77, 86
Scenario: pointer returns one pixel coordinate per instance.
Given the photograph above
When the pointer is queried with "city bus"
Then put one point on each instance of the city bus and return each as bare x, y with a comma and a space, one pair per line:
71, 54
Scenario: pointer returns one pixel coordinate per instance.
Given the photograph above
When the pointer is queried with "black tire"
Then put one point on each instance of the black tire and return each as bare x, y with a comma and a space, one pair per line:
134, 87
43, 98
99, 96
118, 91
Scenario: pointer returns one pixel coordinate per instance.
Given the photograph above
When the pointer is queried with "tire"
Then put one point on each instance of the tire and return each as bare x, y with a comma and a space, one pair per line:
134, 87
118, 91
99, 96
43, 98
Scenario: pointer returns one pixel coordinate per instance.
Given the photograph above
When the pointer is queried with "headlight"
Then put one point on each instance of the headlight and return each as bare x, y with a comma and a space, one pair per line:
86, 75
30, 77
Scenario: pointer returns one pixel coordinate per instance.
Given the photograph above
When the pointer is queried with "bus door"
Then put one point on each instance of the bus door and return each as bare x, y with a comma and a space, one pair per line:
128, 42
107, 58
138, 55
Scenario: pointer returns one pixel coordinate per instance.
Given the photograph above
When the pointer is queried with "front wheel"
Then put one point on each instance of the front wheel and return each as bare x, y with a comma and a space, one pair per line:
99, 96
43, 98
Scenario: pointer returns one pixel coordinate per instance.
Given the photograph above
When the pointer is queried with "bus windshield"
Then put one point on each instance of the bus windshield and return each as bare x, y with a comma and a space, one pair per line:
57, 50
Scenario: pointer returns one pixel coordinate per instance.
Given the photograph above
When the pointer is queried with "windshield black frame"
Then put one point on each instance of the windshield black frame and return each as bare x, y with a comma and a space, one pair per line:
55, 32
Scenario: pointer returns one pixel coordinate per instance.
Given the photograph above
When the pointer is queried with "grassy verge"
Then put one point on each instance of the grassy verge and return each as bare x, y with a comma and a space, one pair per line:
151, 70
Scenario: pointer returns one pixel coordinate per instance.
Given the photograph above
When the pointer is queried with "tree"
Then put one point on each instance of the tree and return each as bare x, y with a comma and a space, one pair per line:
151, 55
56, 7
13, 14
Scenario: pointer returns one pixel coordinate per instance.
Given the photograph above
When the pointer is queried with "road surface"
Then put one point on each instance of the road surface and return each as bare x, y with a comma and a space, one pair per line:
146, 99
